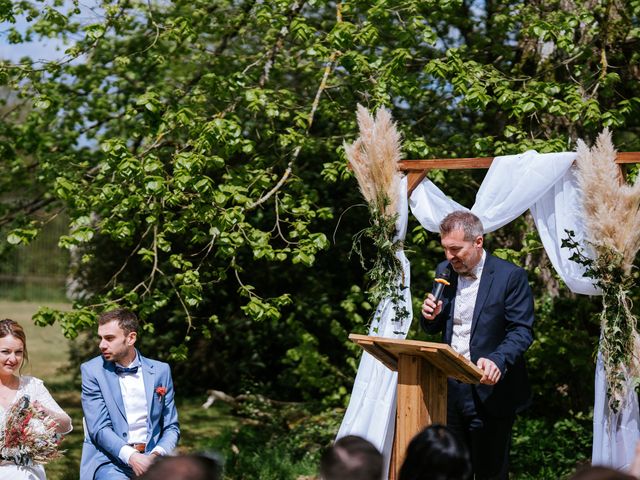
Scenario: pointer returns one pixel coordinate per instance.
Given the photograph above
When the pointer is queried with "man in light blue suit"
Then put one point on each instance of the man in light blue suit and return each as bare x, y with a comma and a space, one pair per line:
128, 404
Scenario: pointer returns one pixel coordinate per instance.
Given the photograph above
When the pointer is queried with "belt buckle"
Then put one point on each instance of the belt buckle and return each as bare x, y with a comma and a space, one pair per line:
140, 447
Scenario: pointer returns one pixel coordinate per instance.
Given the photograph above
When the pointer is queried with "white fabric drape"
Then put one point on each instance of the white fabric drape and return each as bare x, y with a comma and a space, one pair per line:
555, 213
545, 184
615, 435
371, 412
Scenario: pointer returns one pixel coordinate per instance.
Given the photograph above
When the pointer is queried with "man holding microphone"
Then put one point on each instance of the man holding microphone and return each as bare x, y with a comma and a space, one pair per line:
486, 315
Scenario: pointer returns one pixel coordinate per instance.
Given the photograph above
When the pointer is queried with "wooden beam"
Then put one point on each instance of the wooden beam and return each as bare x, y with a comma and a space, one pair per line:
417, 169
481, 162
628, 157
445, 163
414, 177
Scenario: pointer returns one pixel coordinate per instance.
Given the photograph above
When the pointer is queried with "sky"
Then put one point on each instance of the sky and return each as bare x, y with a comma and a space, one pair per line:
43, 50
46, 49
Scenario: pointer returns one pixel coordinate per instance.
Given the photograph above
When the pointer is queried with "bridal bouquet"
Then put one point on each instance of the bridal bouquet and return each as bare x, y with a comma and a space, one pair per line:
29, 436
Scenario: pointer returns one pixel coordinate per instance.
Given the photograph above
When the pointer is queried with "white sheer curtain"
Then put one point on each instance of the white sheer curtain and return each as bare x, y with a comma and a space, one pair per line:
545, 184
615, 435
371, 412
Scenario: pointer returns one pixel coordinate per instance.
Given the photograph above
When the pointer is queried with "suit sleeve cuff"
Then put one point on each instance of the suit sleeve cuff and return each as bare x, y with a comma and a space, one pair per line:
159, 450
125, 453
499, 361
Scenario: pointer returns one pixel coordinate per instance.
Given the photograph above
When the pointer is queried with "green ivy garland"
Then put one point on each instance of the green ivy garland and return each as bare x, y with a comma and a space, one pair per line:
386, 269
618, 323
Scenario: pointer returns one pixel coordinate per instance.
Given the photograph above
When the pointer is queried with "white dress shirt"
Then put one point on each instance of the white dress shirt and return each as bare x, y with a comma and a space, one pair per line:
136, 409
466, 295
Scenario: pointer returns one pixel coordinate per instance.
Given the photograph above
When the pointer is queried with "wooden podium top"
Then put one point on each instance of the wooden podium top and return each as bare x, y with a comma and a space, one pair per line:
441, 355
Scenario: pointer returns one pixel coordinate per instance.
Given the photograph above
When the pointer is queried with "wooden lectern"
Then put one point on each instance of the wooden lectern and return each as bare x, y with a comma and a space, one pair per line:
423, 368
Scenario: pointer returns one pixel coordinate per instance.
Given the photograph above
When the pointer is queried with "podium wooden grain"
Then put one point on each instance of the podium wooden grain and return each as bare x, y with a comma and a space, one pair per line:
423, 368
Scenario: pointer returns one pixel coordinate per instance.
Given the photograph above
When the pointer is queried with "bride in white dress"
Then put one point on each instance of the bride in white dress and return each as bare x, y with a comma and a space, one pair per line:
13, 351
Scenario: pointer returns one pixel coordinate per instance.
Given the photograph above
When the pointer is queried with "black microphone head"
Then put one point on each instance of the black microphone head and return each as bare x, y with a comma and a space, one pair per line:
445, 272
441, 280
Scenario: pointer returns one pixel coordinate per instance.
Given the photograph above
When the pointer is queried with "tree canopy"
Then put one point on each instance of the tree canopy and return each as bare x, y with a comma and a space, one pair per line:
196, 149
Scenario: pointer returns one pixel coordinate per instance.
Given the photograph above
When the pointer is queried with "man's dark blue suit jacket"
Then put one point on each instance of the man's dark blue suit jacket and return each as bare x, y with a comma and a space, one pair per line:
501, 330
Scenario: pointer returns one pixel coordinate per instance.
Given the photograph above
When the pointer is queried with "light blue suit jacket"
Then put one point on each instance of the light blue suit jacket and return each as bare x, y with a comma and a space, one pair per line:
106, 423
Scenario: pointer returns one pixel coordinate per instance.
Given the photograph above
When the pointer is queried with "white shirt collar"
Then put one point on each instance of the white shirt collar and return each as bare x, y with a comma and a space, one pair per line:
476, 271
136, 362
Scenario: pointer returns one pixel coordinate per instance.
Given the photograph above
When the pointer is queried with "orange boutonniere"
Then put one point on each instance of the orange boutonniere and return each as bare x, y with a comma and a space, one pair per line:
161, 391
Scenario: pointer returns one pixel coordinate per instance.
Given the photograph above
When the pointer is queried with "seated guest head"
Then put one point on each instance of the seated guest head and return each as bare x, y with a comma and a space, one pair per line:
118, 331
351, 458
436, 454
600, 473
184, 467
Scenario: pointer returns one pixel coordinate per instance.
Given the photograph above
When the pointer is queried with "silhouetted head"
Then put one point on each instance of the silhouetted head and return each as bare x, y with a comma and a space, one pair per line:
600, 473
184, 467
436, 454
351, 458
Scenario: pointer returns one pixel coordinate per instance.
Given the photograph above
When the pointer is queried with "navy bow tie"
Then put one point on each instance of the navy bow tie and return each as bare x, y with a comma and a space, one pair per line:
125, 371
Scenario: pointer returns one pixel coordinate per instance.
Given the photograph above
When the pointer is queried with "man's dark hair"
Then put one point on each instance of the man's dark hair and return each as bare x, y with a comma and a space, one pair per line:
462, 220
184, 467
600, 473
436, 454
126, 319
351, 458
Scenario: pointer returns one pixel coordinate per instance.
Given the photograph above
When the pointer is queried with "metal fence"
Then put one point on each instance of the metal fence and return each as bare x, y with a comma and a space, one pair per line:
37, 271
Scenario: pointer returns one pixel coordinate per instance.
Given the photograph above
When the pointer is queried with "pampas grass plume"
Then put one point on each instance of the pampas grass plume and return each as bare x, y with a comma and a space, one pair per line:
374, 158
611, 205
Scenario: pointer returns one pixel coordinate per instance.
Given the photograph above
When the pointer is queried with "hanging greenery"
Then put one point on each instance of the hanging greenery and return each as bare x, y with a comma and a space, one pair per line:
612, 218
374, 158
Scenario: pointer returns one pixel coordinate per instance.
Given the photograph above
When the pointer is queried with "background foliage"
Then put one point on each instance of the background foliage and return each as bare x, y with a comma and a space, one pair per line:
195, 148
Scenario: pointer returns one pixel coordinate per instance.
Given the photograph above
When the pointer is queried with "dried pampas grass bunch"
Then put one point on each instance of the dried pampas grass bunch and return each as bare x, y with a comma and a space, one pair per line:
611, 206
612, 217
374, 158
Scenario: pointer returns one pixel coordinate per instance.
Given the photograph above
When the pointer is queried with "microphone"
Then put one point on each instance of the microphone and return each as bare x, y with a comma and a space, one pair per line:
441, 281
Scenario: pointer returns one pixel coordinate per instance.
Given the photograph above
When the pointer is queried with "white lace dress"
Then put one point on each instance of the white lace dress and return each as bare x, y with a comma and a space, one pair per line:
36, 390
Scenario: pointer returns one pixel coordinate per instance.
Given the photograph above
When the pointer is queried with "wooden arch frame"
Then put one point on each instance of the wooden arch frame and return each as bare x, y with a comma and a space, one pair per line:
416, 170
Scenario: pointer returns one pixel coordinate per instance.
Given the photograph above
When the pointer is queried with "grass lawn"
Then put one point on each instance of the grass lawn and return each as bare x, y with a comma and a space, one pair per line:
48, 360
47, 346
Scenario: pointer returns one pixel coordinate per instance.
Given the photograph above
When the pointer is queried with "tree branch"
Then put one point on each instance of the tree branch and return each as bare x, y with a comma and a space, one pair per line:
27, 209
316, 101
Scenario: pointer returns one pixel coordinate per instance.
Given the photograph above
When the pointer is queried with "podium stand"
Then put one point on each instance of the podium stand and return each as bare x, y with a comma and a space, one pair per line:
423, 368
